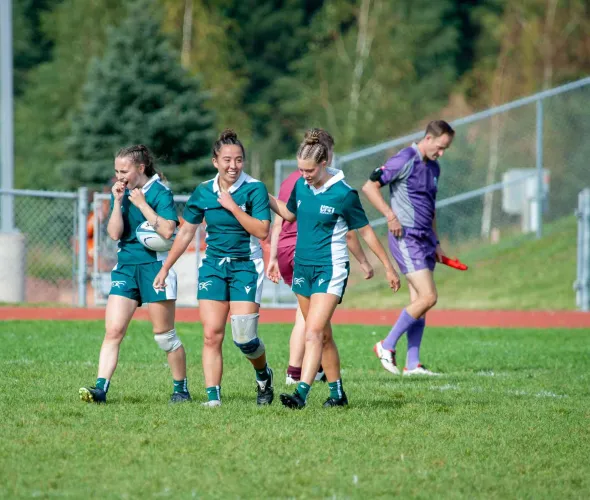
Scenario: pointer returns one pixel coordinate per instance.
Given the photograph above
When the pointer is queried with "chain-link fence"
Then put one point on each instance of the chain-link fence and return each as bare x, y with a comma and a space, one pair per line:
40, 256
510, 169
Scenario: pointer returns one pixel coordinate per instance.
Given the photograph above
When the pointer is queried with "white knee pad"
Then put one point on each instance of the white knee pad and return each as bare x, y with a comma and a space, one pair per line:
168, 341
244, 330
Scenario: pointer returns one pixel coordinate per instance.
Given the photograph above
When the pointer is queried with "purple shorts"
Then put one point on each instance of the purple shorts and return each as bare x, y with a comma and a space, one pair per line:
414, 251
285, 256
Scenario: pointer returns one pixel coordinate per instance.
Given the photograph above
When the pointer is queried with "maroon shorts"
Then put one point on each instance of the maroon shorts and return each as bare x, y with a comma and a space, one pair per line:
285, 256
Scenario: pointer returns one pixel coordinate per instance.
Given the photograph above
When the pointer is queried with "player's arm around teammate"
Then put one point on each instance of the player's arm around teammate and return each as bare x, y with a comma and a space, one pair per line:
412, 176
231, 272
326, 209
139, 196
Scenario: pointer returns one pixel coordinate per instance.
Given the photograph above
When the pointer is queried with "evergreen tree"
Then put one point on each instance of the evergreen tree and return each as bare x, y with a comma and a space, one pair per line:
138, 93
77, 32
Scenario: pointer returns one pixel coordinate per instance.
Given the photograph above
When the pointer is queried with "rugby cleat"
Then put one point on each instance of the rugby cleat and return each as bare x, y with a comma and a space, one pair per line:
386, 357
333, 402
180, 397
212, 404
291, 381
265, 390
92, 395
293, 401
420, 370
320, 376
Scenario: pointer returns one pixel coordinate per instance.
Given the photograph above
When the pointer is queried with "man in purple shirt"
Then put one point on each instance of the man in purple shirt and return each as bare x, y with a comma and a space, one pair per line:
412, 176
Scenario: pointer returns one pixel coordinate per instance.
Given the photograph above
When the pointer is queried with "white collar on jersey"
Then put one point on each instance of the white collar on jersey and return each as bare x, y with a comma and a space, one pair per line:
148, 184
244, 177
337, 175
417, 149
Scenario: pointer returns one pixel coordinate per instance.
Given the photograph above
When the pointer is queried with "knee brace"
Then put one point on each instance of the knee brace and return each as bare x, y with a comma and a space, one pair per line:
244, 330
168, 341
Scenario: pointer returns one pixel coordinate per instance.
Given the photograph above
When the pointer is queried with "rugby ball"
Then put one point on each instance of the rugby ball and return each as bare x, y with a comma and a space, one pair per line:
150, 239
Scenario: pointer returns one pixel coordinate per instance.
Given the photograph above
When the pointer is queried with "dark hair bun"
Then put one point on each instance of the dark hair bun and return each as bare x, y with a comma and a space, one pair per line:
228, 135
312, 136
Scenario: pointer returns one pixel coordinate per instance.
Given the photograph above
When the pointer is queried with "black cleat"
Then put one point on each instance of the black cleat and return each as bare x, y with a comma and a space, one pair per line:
331, 402
265, 389
180, 397
92, 395
294, 401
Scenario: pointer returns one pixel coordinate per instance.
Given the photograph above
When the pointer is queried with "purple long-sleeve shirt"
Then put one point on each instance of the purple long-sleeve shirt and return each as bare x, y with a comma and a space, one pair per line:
413, 184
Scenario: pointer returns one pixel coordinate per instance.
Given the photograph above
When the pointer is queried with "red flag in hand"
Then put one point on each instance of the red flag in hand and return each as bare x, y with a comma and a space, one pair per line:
454, 263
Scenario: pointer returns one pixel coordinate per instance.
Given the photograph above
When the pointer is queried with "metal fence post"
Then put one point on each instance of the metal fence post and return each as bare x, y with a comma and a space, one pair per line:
82, 244
539, 165
582, 283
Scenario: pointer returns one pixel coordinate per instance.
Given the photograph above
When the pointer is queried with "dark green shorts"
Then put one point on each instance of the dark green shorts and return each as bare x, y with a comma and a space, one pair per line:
135, 281
230, 279
308, 280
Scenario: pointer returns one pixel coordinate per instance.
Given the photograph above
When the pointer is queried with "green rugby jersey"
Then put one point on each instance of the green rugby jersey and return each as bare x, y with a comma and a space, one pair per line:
159, 197
225, 235
324, 216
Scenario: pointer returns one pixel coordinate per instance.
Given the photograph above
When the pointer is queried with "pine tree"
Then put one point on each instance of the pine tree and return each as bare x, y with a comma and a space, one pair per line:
138, 93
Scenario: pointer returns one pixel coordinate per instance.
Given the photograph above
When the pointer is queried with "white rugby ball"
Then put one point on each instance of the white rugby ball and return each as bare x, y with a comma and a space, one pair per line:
150, 239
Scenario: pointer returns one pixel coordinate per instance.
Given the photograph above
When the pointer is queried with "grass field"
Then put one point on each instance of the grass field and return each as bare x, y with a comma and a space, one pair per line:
510, 419
519, 272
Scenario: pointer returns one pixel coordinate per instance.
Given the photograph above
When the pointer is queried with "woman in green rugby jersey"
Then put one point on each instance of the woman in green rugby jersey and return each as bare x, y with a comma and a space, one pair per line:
231, 273
139, 195
326, 208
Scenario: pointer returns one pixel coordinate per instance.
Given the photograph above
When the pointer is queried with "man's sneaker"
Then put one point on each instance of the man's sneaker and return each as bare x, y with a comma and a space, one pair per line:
180, 397
212, 404
291, 381
330, 402
265, 389
321, 376
386, 357
92, 395
294, 401
420, 370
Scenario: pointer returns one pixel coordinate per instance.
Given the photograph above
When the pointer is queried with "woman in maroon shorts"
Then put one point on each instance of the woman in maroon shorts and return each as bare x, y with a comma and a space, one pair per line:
280, 264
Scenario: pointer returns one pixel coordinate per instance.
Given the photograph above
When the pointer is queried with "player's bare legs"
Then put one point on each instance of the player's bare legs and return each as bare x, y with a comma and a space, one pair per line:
213, 317
119, 312
317, 311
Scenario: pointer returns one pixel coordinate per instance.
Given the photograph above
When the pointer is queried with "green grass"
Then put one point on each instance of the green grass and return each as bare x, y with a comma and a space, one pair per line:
520, 272
510, 419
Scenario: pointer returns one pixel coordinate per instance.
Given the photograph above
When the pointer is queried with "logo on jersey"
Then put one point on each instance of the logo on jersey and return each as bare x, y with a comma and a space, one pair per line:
118, 284
298, 203
298, 281
320, 281
243, 207
158, 290
326, 210
205, 285
247, 288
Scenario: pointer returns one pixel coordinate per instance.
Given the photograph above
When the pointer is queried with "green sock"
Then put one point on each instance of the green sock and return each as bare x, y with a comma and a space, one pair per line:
214, 393
336, 391
262, 374
303, 390
180, 385
102, 383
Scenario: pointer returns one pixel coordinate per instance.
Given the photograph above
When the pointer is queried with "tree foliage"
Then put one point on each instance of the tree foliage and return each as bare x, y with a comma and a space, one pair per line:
137, 92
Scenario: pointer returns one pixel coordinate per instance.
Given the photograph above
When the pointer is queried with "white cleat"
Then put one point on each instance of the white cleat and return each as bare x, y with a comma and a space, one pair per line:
212, 404
386, 357
420, 370
291, 381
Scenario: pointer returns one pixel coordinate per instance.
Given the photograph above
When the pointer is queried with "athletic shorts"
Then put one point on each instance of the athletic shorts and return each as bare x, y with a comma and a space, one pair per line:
308, 280
136, 282
285, 256
414, 251
230, 279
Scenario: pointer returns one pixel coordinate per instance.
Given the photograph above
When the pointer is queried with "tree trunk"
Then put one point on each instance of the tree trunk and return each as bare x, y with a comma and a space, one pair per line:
187, 32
